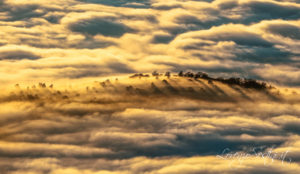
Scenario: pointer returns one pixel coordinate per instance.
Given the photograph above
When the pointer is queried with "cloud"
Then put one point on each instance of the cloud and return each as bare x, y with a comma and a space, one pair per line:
265, 55
67, 104
166, 6
40, 150
160, 38
17, 55
170, 165
280, 73
285, 30
123, 121
216, 36
120, 67
273, 10
103, 26
122, 3
236, 33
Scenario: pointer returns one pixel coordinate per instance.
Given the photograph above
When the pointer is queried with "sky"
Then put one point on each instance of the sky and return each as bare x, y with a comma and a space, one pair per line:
69, 102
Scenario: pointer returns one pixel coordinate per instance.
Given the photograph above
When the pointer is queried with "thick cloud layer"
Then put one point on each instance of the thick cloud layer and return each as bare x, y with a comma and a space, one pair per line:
149, 124
243, 38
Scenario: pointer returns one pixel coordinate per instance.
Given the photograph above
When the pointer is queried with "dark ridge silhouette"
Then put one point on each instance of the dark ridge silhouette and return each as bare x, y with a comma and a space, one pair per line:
246, 83
139, 75
197, 86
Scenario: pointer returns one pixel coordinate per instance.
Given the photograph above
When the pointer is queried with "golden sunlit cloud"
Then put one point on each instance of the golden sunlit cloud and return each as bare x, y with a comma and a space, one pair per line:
120, 86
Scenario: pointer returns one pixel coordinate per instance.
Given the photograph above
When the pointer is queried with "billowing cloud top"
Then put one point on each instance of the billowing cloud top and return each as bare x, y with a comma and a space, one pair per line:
86, 124
64, 39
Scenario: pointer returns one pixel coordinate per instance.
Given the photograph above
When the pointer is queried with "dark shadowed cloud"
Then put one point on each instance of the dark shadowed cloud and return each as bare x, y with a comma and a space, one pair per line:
285, 30
103, 26
17, 55
271, 10
121, 3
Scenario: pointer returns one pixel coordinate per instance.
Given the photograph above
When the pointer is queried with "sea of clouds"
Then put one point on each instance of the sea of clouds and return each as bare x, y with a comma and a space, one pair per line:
59, 114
